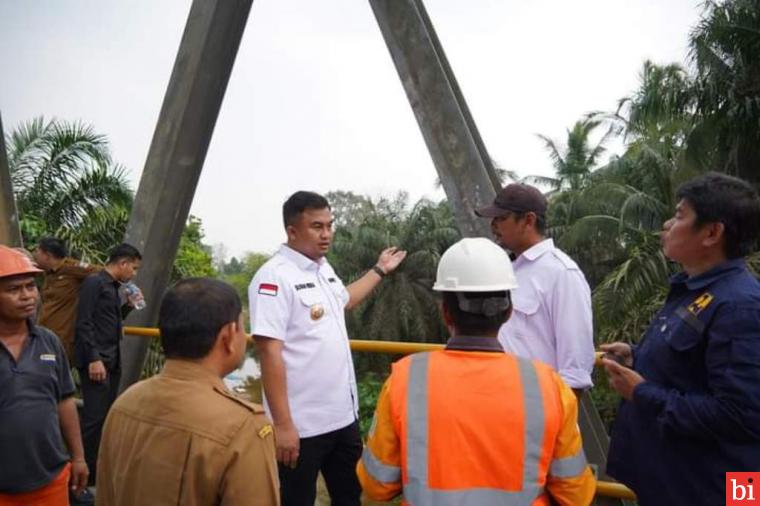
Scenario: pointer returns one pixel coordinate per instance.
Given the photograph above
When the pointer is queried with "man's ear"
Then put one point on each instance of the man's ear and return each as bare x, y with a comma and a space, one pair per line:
290, 230
227, 336
715, 234
530, 219
447, 319
509, 313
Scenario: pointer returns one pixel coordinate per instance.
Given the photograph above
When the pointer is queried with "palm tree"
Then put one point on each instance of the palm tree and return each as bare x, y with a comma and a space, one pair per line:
67, 185
611, 224
679, 126
574, 164
403, 307
573, 168
725, 48
661, 108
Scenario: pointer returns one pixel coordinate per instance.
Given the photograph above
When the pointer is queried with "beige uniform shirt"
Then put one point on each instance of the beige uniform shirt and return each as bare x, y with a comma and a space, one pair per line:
181, 438
60, 295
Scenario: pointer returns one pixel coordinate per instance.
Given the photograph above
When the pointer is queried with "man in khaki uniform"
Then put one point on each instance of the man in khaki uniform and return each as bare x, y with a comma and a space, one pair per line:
181, 437
60, 289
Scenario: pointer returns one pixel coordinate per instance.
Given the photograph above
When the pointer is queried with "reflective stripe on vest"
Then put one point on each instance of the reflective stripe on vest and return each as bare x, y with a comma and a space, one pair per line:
569, 467
416, 489
379, 471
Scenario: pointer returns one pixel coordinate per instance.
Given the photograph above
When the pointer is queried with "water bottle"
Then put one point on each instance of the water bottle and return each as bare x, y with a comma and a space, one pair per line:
132, 291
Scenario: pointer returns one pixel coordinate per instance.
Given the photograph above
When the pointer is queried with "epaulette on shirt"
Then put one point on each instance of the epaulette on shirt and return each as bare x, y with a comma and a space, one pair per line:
250, 406
568, 262
263, 430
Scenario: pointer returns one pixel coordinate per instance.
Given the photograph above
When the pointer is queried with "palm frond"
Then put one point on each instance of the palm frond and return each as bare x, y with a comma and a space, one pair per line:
642, 212
642, 276
554, 154
551, 182
65, 183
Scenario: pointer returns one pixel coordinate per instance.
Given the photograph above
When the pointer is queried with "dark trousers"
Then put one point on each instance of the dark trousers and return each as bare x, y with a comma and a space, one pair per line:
335, 454
98, 398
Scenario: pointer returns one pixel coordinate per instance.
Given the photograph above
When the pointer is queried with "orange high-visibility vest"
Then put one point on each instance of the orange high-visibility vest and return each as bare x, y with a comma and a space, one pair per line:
481, 428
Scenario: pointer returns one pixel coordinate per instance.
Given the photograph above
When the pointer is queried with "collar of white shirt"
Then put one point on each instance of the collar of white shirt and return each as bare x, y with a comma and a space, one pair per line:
537, 250
302, 261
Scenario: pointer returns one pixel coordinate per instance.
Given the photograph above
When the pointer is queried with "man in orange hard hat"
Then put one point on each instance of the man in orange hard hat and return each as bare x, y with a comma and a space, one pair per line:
472, 424
37, 410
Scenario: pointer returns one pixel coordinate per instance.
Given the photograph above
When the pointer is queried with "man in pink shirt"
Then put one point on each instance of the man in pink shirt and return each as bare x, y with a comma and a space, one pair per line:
552, 320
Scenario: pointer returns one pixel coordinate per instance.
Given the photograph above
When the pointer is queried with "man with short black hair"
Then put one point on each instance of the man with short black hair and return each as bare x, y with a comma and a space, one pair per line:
96, 343
691, 408
182, 437
298, 320
60, 289
471, 424
37, 409
552, 321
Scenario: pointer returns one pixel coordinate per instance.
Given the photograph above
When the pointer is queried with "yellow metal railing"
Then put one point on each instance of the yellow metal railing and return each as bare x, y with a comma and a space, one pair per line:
142, 331
603, 488
393, 348
616, 490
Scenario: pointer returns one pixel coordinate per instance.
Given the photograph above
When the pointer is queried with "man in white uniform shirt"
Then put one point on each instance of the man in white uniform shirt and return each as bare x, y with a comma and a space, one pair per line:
552, 319
297, 305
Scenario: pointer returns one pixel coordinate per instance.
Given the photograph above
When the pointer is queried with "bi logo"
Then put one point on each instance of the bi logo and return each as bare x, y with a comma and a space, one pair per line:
743, 489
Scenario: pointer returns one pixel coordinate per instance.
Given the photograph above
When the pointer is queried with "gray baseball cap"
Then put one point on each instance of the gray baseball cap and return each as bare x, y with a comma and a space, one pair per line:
515, 198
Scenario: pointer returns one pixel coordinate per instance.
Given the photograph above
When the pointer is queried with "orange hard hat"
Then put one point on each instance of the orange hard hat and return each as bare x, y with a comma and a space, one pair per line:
14, 262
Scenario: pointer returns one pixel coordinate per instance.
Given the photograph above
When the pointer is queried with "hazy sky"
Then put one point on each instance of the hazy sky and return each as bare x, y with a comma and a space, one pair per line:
314, 101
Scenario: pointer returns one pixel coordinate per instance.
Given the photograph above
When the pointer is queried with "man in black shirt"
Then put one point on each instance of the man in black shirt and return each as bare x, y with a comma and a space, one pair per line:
96, 343
37, 408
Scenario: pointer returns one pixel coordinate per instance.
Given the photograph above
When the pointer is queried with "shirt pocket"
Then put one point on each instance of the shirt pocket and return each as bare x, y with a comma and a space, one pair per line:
519, 324
681, 358
686, 333
41, 379
340, 293
314, 308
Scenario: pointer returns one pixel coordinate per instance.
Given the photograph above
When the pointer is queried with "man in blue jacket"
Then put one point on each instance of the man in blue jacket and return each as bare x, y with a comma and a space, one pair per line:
691, 388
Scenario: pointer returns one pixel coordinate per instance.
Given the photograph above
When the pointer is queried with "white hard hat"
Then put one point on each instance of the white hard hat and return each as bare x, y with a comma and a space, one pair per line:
475, 265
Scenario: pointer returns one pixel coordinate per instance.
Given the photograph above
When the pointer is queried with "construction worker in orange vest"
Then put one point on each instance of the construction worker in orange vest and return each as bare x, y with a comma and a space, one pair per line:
471, 424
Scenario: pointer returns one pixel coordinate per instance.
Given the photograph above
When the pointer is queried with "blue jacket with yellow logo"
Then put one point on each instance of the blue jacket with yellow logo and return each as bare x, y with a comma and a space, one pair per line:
697, 415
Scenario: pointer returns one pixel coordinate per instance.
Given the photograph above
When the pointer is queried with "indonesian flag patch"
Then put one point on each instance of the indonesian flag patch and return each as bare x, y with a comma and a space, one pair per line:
268, 289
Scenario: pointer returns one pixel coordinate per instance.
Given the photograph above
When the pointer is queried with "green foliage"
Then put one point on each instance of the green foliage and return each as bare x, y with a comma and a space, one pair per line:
725, 49
605, 399
675, 126
193, 257
349, 209
193, 260
66, 185
239, 273
574, 164
661, 109
154, 359
403, 307
611, 225
368, 388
